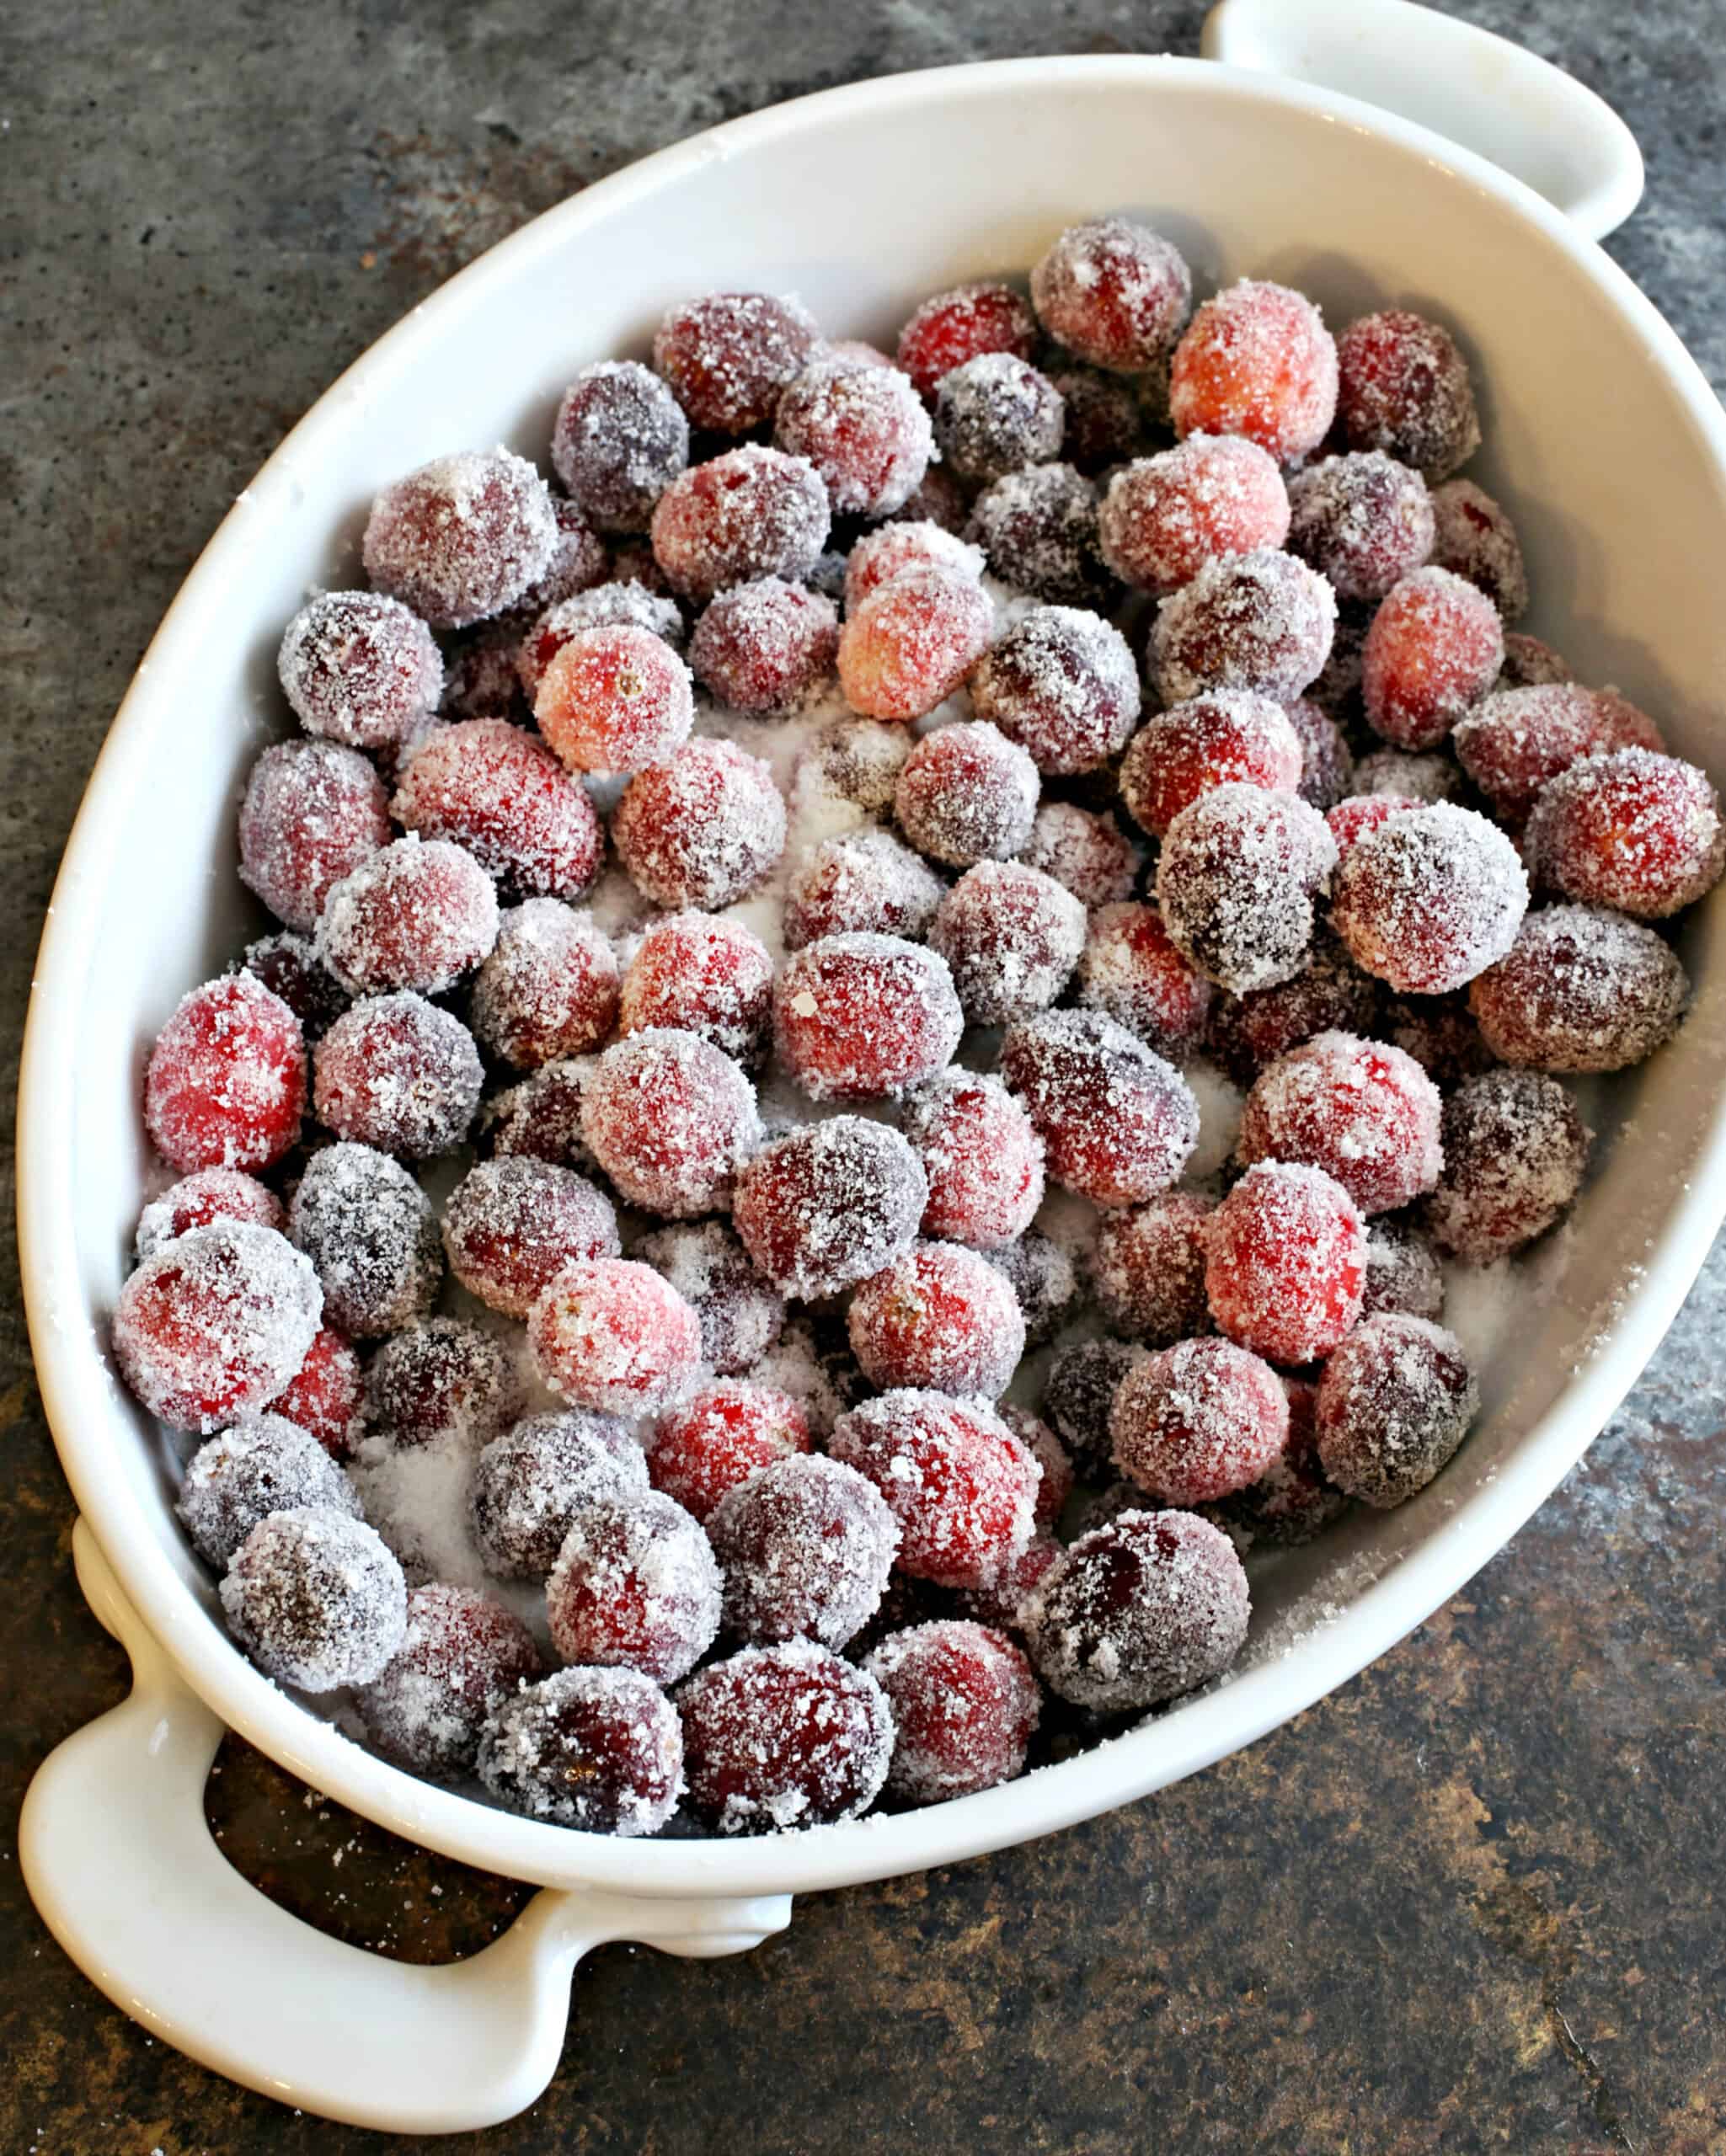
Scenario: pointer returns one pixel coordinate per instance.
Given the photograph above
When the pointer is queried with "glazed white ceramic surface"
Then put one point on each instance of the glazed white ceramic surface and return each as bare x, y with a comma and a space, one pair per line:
1610, 451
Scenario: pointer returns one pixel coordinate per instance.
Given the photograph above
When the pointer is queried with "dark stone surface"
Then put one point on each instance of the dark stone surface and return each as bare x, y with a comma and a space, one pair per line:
1473, 1900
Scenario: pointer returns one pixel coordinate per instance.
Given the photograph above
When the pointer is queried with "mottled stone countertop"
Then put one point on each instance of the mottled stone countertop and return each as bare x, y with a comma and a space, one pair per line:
1471, 1902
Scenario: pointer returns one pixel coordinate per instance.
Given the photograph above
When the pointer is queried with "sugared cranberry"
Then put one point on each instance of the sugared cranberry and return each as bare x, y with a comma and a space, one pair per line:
1260, 621
1285, 1264
1403, 387
1039, 528
806, 1545
262, 1464
766, 647
953, 327
441, 1380
311, 814
1139, 1611
417, 915
529, 1483
1430, 899
610, 1333
859, 1016
702, 828
462, 1656
1634, 829
1580, 989
1105, 424
226, 1083
1362, 813
1361, 1110
961, 1486
1236, 882
614, 699
896, 549
1147, 1267
316, 1599
542, 1117
635, 1584
1529, 664
1515, 1152
326, 1393
399, 1074
753, 512
289, 967
720, 1437
1078, 1399
939, 1318
1403, 1272
619, 440
1062, 685
1012, 937
823, 1207
359, 668
1476, 540
511, 1225
965, 1703
549, 990
863, 428
1117, 1123
967, 794
1114, 292
1195, 1421
703, 974
1257, 360
912, 642
1514, 740
492, 788
1424, 779
996, 414
1132, 973
670, 1120
1364, 521
1394, 1403
1327, 763
1044, 1277
730, 356
1434, 648
982, 1156
612, 605
1231, 736
600, 1750
786, 1736
864, 883
1166, 516
370, 1230
1088, 854
197, 1200
462, 538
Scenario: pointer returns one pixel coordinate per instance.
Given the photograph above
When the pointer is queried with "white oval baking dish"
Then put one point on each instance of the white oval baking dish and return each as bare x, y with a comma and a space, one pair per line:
1609, 449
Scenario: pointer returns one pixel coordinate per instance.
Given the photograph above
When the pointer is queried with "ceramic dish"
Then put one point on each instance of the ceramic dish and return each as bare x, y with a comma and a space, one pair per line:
1608, 449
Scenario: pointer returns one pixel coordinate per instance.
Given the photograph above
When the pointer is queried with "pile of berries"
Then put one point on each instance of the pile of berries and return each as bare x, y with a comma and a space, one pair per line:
678, 1461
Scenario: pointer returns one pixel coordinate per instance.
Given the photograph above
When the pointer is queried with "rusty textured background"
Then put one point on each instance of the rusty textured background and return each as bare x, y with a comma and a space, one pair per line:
1471, 1902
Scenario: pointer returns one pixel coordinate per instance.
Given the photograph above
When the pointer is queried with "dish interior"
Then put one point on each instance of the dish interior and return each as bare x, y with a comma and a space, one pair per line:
863, 203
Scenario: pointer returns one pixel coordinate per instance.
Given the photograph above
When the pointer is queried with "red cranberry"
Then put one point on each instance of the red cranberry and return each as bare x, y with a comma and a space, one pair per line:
397, 1073
1429, 899
549, 990
1515, 1152
441, 1380
1434, 648
262, 1464
208, 1195
702, 973
1476, 540
1196, 1421
1403, 387
953, 327
742, 1312
1580, 989
806, 1545
325, 1394
1256, 361
965, 1703
1394, 1403
600, 1750
1119, 1123
461, 1659
912, 642
768, 645
1634, 829
1285, 1267
786, 1736
825, 1206
226, 1083
609, 1334
462, 538
1231, 736
864, 883
702, 828
753, 512
1259, 620
982, 1156
896, 549
719, 1438
1364, 521
529, 1483
359, 668
417, 915
1132, 973
941, 1318
1062, 685
1364, 1112
312, 814
1113, 292
1089, 855
967, 794
1148, 1269
494, 789
859, 1016
512, 1224
1012, 937
864, 428
619, 440
961, 1486
1236, 882
1166, 516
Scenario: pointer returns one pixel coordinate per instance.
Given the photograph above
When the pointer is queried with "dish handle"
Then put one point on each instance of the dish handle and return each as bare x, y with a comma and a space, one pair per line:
119, 1860
1493, 97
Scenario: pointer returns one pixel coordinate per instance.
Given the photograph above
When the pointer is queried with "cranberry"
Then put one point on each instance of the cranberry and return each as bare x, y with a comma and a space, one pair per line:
614, 699
768, 645
1236, 883
859, 1016
863, 428
1634, 829
370, 1230
1364, 521
462, 538
1394, 1403
1286, 1265
491, 787
1403, 387
462, 1658
619, 440
1260, 621
359, 668
1166, 516
1038, 527
823, 1207
610, 1334
806, 1545
702, 973
1148, 1269
1062, 685
1515, 1152
441, 1380
1256, 361
1580, 989
864, 883
324, 1396
1476, 540
938, 1317
967, 794
1195, 1421
965, 1703
417, 915
1429, 899
1088, 854
730, 356
635, 1584
961, 1486
1434, 648
786, 1736
1119, 1123
1230, 736
753, 512
1132, 973
897, 549
953, 326
912, 642
316, 1599
312, 812
512, 1224
600, 1750
1012, 937
225, 1082
530, 1483
197, 1200
1361, 1110
1114, 292
982, 1156
262, 1464
397, 1073
550, 988
702, 828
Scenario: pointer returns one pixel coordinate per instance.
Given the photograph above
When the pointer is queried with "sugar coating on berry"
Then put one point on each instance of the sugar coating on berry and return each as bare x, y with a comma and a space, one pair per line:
912, 642
702, 828
600, 1750
963, 1488
703, 974
542, 1117
611, 605
400, 1074
719, 1439
828, 1204
1259, 620
768, 646
512, 1223
1633, 829
444, 1380
806, 1544
262, 1464
1476, 540
864, 429
1580, 990
1088, 854
1012, 937
619, 440
208, 1195
782, 1736
1361, 1110
670, 1120
966, 1704
1039, 528
1117, 1123
418, 915
953, 327
1132, 973
1001, 1603
1139, 1611
1164, 517
864, 882
1434, 648
462, 538
741, 1313
753, 512
730, 356
316, 1599
859, 1017
1403, 1272
1515, 1151
1236, 881
462, 1656
613, 699
311, 813
940, 1318
609, 1334
1105, 425
1353, 819
1285, 1261
967, 794
325, 1394
1394, 1401
1430, 899
1329, 993
370, 1230
1257, 360
359, 668
531, 1481
289, 967
225, 1082
1195, 1421
1423, 779
1113, 292
846, 769
995, 415
1231, 736
896, 549
1364, 521
1147, 1268
1044, 1277
982, 1156
1514, 740
636, 1583
1062, 684
492, 788
550, 988
1403, 387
